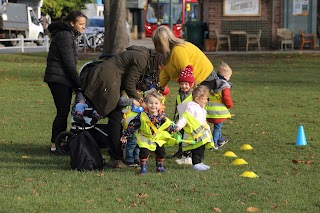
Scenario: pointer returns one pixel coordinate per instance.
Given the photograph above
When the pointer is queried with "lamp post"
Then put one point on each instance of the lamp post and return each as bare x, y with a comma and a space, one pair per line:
170, 14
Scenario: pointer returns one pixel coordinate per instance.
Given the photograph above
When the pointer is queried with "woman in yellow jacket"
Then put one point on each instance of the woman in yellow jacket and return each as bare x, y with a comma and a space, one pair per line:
178, 55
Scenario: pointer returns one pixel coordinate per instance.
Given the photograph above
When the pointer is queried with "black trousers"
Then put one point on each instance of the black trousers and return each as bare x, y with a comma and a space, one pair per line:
197, 154
62, 96
160, 152
114, 133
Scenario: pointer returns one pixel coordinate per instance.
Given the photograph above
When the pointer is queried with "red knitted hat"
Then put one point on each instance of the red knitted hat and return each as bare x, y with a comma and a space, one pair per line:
186, 75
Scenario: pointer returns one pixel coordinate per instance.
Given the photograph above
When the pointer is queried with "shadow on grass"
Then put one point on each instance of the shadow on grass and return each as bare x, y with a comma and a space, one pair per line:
31, 157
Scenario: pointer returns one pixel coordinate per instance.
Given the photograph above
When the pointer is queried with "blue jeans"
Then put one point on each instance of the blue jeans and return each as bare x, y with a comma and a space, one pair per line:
80, 107
132, 149
216, 134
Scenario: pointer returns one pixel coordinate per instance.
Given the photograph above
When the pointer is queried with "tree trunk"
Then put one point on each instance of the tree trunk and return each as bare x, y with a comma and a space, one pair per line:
116, 37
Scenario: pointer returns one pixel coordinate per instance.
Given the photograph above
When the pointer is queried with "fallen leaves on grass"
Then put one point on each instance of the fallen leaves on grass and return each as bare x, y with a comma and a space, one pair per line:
252, 209
302, 161
216, 210
25, 157
213, 195
100, 174
141, 195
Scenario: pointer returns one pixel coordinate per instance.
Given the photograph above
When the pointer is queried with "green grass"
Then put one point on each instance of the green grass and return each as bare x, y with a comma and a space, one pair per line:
273, 95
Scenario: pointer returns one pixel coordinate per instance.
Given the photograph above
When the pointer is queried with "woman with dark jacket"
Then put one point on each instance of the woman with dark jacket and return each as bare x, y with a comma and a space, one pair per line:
61, 72
104, 83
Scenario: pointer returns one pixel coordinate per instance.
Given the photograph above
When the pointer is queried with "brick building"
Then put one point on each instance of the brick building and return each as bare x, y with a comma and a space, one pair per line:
273, 14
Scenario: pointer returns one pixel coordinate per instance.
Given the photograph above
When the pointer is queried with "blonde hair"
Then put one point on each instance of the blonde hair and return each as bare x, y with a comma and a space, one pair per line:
224, 69
164, 40
153, 93
200, 91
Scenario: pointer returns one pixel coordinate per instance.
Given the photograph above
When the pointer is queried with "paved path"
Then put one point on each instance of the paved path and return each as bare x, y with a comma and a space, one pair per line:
147, 42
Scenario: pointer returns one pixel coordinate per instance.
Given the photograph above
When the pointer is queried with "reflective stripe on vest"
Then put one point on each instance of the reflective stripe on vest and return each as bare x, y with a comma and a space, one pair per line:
216, 108
149, 136
127, 117
189, 98
197, 132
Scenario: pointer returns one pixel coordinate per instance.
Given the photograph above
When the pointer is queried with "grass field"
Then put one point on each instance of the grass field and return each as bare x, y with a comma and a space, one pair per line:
273, 95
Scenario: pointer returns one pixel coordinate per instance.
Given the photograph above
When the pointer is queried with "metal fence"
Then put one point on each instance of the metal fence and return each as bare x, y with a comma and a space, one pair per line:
21, 43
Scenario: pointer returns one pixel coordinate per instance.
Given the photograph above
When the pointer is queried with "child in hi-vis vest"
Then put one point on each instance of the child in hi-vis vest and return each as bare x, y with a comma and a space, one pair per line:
193, 121
131, 108
220, 102
186, 86
152, 130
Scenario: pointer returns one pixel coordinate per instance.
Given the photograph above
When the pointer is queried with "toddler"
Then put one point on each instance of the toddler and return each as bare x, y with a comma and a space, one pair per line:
186, 83
131, 108
193, 121
152, 130
219, 103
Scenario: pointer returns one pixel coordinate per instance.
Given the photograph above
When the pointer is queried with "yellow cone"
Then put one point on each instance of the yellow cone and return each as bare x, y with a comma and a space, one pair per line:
239, 161
249, 174
246, 147
230, 154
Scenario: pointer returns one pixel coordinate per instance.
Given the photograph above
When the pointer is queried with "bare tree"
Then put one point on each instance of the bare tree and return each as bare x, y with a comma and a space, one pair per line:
116, 35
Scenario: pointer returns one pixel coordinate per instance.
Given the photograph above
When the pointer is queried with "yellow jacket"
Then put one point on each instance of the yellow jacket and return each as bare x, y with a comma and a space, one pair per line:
182, 56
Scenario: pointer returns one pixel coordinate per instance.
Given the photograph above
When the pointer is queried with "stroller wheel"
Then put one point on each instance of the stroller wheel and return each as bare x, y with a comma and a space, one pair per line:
62, 142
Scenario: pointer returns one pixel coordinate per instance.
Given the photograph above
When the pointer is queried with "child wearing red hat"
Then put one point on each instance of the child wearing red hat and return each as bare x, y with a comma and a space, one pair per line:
187, 84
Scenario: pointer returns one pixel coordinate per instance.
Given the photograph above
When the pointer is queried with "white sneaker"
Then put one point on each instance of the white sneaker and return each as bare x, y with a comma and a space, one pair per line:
184, 160
200, 167
205, 165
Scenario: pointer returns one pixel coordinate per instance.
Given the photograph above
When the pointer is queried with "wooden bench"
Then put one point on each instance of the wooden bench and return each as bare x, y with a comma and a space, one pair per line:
307, 39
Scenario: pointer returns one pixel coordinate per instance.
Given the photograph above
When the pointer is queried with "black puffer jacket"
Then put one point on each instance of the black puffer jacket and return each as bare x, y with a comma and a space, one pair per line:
62, 58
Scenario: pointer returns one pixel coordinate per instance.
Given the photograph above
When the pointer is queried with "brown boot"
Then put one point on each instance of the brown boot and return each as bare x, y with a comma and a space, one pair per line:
119, 164
111, 163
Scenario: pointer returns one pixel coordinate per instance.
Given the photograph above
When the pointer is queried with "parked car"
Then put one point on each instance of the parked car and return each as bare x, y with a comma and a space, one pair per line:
95, 25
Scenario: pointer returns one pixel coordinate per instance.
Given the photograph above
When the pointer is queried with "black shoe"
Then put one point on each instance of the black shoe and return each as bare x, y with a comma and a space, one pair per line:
137, 161
94, 120
178, 154
54, 152
223, 142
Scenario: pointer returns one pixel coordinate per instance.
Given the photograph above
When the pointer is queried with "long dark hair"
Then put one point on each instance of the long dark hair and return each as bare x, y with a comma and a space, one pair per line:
74, 15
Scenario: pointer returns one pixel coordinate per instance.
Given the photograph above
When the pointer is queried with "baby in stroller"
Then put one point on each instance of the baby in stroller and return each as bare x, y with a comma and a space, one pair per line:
82, 112
84, 117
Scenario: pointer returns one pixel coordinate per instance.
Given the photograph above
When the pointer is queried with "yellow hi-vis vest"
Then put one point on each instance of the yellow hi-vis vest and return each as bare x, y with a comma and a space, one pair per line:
194, 130
128, 115
148, 136
189, 98
215, 108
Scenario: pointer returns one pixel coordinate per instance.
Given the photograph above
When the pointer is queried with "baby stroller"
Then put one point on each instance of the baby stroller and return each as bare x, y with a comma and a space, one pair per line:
98, 131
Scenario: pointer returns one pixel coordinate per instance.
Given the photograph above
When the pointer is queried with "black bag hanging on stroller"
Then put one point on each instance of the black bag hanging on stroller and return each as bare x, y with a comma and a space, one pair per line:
84, 152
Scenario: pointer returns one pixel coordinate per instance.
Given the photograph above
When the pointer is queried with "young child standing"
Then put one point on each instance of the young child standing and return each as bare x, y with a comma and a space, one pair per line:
193, 121
131, 108
186, 86
152, 130
219, 102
